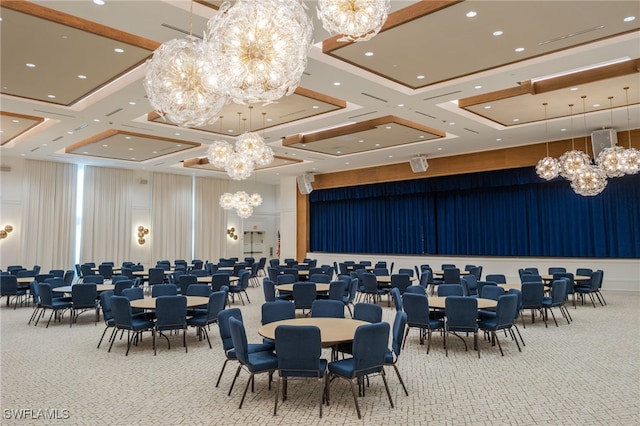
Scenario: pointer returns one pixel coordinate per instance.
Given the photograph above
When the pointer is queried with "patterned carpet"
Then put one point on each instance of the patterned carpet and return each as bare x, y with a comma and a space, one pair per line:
586, 373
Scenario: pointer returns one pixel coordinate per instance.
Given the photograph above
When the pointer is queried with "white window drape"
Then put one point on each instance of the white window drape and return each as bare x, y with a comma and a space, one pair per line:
210, 219
106, 215
170, 233
49, 214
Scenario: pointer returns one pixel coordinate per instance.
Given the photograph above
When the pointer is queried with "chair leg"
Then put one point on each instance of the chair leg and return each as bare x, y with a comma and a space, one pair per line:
234, 379
355, 398
386, 386
395, 367
102, 337
519, 335
221, 371
513, 336
275, 405
494, 335
251, 379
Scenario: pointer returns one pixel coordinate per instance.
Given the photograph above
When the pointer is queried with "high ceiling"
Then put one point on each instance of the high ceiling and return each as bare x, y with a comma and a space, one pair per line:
434, 82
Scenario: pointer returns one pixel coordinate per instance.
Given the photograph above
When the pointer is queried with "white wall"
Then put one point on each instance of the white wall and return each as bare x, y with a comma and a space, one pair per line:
619, 274
288, 223
11, 213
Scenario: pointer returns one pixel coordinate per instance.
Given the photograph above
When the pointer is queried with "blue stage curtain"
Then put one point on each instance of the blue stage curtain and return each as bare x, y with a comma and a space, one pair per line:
501, 213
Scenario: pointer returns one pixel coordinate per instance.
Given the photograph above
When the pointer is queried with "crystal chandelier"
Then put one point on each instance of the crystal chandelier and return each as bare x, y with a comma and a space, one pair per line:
589, 181
610, 158
356, 20
173, 82
242, 202
548, 167
219, 153
258, 49
572, 161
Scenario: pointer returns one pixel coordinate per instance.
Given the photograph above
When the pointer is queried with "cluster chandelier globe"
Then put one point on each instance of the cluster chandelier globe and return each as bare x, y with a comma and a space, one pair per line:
239, 166
241, 201
258, 49
174, 83
548, 168
590, 181
571, 162
356, 20
240, 160
630, 162
611, 160
219, 153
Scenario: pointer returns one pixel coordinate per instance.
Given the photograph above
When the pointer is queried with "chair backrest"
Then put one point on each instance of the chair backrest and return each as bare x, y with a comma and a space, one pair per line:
370, 344
353, 289
285, 279
416, 289
417, 308
476, 272
239, 340
492, 292
171, 312
8, 285
327, 309
57, 273
397, 332
426, 278
121, 285
164, 290
269, 290
217, 301
584, 271
133, 293
84, 295
292, 271
185, 280
156, 276
42, 277
105, 304
337, 290
86, 269
127, 272
277, 311
559, 291
401, 281
496, 278
274, 262
461, 313
243, 279
381, 272
469, 285
518, 293
121, 310
223, 324
450, 290
105, 270
96, 279
369, 312
202, 290
218, 280
531, 278
298, 349
532, 271
303, 295
506, 310
555, 269
397, 298
532, 294
406, 271
320, 278
447, 266
451, 276
596, 279
68, 277
199, 272
315, 271
370, 283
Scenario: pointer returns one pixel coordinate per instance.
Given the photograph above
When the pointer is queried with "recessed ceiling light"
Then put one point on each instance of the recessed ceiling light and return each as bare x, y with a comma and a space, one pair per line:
498, 139
230, 130
44, 144
497, 33
118, 50
596, 105
420, 77
515, 120
177, 134
487, 107
315, 107
97, 120
347, 163
132, 103
337, 83
69, 132
391, 156
130, 149
452, 123
368, 53
15, 121
421, 136
22, 155
573, 89
629, 18
98, 2
127, 137
304, 144
85, 152
400, 105
519, 49
338, 152
563, 129
377, 144
51, 96
477, 87
82, 76
30, 65
133, 158
439, 149
105, 145
269, 120
179, 145
387, 127
154, 152
361, 140
471, 13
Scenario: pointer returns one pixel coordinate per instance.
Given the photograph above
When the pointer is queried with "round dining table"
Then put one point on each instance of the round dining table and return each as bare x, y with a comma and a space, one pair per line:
150, 302
320, 287
332, 330
576, 278
508, 287
386, 279
99, 288
207, 279
438, 302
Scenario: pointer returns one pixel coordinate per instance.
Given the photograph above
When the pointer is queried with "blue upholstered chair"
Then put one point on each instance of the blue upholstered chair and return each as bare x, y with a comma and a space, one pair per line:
401, 281
299, 351
303, 295
269, 290
227, 343
107, 314
164, 290
350, 295
416, 289
461, 316
506, 310
47, 301
469, 285
397, 334
201, 320
84, 297
556, 300
184, 281
241, 286
445, 290
532, 295
556, 269
337, 290
416, 307
171, 315
397, 298
124, 320
9, 287
253, 362
496, 278
369, 353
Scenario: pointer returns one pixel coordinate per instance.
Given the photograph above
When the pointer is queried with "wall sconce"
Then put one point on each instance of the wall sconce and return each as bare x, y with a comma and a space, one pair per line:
231, 232
142, 231
4, 233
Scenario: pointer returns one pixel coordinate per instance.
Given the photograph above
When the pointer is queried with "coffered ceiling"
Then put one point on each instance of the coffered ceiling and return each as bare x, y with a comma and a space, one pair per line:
437, 81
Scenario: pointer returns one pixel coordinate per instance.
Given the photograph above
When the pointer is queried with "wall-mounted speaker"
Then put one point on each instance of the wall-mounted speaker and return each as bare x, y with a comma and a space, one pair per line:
304, 183
419, 164
601, 139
